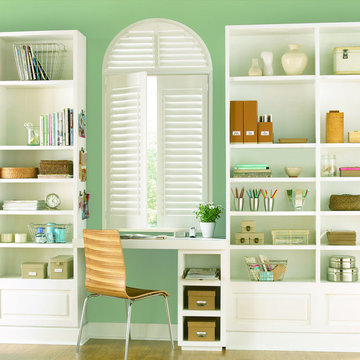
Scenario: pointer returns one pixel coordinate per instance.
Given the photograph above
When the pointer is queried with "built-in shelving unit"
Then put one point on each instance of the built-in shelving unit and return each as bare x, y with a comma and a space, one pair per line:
304, 302
32, 308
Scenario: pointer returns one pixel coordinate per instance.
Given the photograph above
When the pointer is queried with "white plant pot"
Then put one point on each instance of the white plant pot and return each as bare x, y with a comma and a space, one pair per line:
207, 229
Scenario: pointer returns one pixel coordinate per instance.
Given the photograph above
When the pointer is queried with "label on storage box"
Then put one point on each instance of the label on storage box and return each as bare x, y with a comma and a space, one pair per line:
264, 133
250, 133
236, 133
32, 273
58, 270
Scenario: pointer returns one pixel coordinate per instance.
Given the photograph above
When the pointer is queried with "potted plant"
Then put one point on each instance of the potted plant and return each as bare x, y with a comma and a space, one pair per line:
207, 213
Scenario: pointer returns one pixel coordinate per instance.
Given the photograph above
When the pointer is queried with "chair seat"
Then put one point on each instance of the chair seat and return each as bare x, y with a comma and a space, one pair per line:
135, 293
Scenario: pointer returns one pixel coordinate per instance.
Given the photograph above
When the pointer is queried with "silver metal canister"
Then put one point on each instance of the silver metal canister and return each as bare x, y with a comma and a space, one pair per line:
342, 262
343, 275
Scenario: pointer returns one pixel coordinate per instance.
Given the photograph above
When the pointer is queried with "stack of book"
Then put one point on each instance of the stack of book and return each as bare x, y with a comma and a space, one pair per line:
21, 205
202, 273
251, 170
28, 63
57, 129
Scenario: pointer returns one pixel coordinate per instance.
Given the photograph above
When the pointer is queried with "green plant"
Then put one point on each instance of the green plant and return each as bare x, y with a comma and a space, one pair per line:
208, 212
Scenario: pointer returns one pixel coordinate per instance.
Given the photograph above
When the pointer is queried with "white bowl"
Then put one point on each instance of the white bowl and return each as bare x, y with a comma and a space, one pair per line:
293, 171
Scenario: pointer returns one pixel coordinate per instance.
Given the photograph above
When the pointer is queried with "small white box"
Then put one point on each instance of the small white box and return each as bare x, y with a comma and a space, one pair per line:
347, 60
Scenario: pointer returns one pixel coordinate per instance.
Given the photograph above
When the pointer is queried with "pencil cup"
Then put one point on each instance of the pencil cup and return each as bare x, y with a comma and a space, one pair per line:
238, 204
254, 204
269, 204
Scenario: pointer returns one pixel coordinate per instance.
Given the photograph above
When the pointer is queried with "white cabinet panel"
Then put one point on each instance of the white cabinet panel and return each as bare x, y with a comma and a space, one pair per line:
338, 309
272, 307
35, 307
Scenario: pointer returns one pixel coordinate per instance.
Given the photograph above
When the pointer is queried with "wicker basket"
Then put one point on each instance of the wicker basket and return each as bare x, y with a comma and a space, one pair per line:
18, 173
335, 126
344, 202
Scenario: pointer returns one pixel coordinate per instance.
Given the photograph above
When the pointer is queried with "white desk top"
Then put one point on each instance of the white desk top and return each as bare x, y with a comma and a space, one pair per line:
171, 244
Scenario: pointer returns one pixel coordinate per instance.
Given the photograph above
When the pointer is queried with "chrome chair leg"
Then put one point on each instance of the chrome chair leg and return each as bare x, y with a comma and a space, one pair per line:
128, 329
82, 320
169, 322
126, 314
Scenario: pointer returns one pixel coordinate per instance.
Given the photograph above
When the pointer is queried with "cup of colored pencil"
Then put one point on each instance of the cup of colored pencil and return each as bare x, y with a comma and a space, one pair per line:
238, 199
253, 195
269, 199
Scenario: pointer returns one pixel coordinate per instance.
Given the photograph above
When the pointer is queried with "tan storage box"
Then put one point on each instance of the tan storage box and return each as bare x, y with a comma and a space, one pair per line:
248, 226
354, 136
341, 237
56, 167
256, 238
242, 238
34, 270
61, 267
347, 60
334, 126
201, 299
201, 330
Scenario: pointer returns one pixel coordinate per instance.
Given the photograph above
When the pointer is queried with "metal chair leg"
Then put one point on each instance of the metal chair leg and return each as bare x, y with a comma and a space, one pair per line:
128, 329
169, 322
126, 314
82, 320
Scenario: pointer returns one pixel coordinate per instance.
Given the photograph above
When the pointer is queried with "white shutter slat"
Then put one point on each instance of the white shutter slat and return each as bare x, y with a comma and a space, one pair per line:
125, 157
157, 45
182, 148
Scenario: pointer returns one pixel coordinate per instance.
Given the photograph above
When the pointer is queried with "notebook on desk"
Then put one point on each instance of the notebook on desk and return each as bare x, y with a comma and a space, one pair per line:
142, 237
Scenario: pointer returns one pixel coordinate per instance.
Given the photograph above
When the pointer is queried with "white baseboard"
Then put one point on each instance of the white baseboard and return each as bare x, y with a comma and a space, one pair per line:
38, 335
94, 330
68, 336
333, 342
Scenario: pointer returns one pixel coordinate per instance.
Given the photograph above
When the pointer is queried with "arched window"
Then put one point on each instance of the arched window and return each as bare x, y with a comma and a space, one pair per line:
156, 124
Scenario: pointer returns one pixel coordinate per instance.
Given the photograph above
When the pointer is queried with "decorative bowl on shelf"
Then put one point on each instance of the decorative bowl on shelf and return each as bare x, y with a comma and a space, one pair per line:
293, 171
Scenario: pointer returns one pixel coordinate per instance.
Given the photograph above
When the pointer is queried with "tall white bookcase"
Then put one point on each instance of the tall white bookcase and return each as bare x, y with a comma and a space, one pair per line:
33, 310
304, 311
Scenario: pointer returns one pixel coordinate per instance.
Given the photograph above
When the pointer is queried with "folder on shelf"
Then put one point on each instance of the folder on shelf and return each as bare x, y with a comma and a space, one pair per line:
250, 121
236, 121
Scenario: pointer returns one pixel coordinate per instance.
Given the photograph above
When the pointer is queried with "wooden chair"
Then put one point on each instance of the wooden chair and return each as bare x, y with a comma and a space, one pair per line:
106, 276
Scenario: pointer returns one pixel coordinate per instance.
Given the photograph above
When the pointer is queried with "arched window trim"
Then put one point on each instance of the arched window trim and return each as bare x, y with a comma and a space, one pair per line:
158, 69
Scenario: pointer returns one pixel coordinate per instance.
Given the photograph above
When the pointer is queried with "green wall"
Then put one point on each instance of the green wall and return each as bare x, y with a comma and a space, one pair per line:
100, 21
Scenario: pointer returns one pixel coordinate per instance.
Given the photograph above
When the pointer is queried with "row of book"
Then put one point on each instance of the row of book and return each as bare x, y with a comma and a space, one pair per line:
57, 129
251, 170
28, 63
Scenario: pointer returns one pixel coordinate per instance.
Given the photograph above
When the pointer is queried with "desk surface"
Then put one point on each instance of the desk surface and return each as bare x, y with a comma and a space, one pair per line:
171, 244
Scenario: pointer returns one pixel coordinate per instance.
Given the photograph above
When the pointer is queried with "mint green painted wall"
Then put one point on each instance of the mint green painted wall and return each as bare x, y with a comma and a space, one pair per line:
100, 21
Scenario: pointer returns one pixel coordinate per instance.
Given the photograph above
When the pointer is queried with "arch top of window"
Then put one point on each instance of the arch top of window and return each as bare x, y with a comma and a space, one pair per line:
157, 46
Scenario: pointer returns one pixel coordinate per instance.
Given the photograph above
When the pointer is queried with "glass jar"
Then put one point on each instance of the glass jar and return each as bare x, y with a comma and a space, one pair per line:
33, 134
328, 165
40, 237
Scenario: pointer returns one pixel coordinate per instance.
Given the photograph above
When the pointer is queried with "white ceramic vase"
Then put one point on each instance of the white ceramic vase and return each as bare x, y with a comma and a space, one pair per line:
294, 61
255, 69
267, 58
207, 229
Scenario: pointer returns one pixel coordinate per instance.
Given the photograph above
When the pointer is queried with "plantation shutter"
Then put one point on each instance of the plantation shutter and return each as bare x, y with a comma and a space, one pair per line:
125, 151
182, 148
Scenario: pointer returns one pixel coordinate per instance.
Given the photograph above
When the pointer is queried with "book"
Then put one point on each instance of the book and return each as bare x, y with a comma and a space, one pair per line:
202, 273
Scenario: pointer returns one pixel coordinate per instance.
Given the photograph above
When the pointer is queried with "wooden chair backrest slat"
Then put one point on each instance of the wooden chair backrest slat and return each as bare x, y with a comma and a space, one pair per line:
105, 265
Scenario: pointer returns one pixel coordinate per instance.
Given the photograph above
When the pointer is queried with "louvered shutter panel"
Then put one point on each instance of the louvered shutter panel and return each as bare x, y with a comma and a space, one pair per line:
125, 151
133, 50
182, 148
179, 49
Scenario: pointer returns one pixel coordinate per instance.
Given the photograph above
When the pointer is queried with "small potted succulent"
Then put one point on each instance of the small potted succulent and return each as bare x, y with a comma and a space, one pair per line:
207, 213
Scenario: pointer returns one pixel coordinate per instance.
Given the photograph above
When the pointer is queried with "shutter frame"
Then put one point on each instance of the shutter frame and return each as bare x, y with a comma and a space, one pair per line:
124, 151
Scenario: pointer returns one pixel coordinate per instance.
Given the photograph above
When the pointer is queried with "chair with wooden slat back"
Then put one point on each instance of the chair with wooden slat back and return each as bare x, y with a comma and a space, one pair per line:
106, 276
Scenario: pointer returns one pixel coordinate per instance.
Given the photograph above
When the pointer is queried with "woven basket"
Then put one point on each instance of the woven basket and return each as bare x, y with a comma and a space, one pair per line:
18, 173
344, 202
56, 167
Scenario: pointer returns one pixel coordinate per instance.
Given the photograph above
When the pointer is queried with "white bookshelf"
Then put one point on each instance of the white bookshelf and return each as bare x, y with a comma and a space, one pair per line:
31, 305
303, 303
